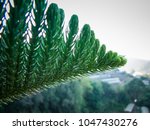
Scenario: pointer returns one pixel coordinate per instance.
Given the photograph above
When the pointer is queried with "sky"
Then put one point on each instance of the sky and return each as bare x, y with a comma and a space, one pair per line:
122, 25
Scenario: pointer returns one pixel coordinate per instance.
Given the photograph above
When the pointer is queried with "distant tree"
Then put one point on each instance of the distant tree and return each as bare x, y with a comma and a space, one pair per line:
35, 52
135, 89
145, 100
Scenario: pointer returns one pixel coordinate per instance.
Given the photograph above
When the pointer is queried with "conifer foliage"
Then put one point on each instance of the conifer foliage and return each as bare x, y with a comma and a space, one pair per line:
36, 52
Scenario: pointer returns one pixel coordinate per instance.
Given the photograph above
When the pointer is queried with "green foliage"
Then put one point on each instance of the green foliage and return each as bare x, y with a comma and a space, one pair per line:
135, 89
84, 96
35, 53
75, 96
145, 99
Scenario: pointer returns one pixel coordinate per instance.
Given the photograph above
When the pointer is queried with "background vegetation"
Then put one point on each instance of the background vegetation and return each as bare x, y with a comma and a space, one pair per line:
84, 95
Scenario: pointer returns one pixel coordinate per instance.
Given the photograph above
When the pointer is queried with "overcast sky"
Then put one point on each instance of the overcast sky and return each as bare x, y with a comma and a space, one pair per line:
123, 25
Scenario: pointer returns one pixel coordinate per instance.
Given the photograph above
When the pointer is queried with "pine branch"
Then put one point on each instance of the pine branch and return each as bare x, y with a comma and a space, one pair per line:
35, 52
37, 46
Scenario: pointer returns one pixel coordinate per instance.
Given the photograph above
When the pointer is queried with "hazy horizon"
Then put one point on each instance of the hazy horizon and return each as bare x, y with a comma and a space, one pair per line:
124, 26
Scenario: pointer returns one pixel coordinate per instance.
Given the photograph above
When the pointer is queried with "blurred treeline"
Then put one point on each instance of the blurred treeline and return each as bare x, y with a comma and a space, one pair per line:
84, 96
